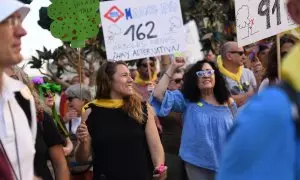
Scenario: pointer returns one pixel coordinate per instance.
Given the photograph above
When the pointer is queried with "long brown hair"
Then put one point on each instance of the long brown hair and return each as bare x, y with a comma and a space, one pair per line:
132, 104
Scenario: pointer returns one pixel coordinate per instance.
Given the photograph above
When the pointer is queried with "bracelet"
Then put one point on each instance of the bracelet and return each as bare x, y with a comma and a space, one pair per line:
168, 75
159, 170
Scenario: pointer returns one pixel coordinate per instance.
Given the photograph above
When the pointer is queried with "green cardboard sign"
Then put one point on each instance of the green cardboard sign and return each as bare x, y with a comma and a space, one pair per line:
74, 20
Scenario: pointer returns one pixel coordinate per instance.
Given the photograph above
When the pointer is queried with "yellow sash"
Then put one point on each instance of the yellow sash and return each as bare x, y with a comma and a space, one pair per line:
138, 80
236, 77
106, 103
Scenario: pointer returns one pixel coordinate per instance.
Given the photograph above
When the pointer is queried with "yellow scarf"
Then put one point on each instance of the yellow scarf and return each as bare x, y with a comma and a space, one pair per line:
106, 103
236, 77
138, 80
290, 68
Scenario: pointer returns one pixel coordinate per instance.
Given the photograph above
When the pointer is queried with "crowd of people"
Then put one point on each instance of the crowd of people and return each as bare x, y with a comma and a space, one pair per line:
228, 117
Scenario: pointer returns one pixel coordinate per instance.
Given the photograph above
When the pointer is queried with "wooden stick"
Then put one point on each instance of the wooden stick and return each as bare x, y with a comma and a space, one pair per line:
149, 69
278, 56
80, 73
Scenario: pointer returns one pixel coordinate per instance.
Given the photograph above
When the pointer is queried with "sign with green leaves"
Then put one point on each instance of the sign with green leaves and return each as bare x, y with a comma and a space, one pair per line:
75, 21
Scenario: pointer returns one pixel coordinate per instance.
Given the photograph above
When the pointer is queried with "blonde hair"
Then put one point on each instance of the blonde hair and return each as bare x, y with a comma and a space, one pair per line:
23, 76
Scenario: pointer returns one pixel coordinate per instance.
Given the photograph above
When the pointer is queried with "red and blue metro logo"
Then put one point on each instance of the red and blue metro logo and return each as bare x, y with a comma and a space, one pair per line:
114, 14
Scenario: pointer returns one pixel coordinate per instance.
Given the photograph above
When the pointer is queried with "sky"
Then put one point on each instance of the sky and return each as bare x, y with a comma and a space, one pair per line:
36, 37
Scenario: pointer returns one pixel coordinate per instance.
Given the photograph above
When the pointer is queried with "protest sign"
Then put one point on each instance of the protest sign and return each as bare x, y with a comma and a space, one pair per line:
260, 19
74, 21
193, 51
138, 29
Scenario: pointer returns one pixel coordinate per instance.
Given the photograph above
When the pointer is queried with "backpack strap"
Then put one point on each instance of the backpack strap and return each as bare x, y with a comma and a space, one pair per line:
292, 94
25, 105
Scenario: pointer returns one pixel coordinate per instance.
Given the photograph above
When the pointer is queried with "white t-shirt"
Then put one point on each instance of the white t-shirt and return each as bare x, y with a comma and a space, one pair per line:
247, 82
265, 83
75, 124
14, 123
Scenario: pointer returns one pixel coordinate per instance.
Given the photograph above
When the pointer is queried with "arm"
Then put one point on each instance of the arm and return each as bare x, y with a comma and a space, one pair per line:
253, 82
163, 83
153, 140
243, 98
59, 162
83, 148
240, 99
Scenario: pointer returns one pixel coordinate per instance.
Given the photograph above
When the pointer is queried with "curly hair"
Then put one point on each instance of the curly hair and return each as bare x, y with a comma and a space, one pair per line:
191, 91
132, 104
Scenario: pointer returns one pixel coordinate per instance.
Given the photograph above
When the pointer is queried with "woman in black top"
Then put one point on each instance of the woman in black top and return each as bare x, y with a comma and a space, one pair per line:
119, 130
49, 145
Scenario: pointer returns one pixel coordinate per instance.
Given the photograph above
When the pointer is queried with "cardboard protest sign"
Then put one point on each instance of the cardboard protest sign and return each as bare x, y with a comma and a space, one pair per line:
260, 19
193, 51
74, 21
138, 29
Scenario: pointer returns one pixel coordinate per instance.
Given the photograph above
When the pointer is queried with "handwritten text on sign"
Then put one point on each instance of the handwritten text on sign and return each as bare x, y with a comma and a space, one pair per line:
138, 29
259, 19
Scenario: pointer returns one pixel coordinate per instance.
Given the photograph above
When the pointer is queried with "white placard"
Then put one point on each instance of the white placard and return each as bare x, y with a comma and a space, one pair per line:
138, 29
260, 19
193, 51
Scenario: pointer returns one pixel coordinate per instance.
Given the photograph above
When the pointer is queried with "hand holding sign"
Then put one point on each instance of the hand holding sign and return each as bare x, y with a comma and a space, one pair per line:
74, 21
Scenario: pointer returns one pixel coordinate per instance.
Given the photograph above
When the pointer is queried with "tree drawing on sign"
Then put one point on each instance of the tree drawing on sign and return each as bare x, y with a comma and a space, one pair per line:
113, 31
244, 22
175, 23
74, 21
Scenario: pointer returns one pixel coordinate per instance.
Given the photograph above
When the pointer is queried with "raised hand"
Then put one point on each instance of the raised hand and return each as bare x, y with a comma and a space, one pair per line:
82, 133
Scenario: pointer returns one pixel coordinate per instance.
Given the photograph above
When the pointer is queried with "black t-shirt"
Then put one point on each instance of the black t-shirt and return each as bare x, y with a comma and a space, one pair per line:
47, 137
120, 149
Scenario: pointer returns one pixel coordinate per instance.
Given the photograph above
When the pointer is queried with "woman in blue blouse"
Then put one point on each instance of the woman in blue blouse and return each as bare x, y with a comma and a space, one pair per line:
207, 115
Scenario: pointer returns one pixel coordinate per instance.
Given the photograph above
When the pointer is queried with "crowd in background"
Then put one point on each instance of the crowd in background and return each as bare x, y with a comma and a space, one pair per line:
161, 119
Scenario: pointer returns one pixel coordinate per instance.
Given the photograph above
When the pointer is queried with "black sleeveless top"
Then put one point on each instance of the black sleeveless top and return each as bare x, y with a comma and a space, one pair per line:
120, 150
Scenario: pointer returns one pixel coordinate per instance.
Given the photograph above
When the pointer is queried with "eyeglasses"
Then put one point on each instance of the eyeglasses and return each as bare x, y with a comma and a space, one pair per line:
13, 21
237, 52
177, 81
49, 94
146, 65
206, 73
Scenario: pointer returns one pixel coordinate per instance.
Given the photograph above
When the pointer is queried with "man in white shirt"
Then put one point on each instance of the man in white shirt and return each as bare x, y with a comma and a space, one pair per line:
17, 111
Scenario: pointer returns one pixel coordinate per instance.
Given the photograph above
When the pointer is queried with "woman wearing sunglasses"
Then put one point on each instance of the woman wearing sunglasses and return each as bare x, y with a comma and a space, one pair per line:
207, 115
47, 92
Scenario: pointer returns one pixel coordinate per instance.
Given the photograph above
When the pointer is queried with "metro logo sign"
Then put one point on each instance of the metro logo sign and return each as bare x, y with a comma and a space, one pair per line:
114, 14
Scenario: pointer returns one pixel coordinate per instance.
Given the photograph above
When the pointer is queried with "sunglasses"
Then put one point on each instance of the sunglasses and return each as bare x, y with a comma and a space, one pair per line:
177, 81
237, 52
146, 65
206, 73
49, 94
